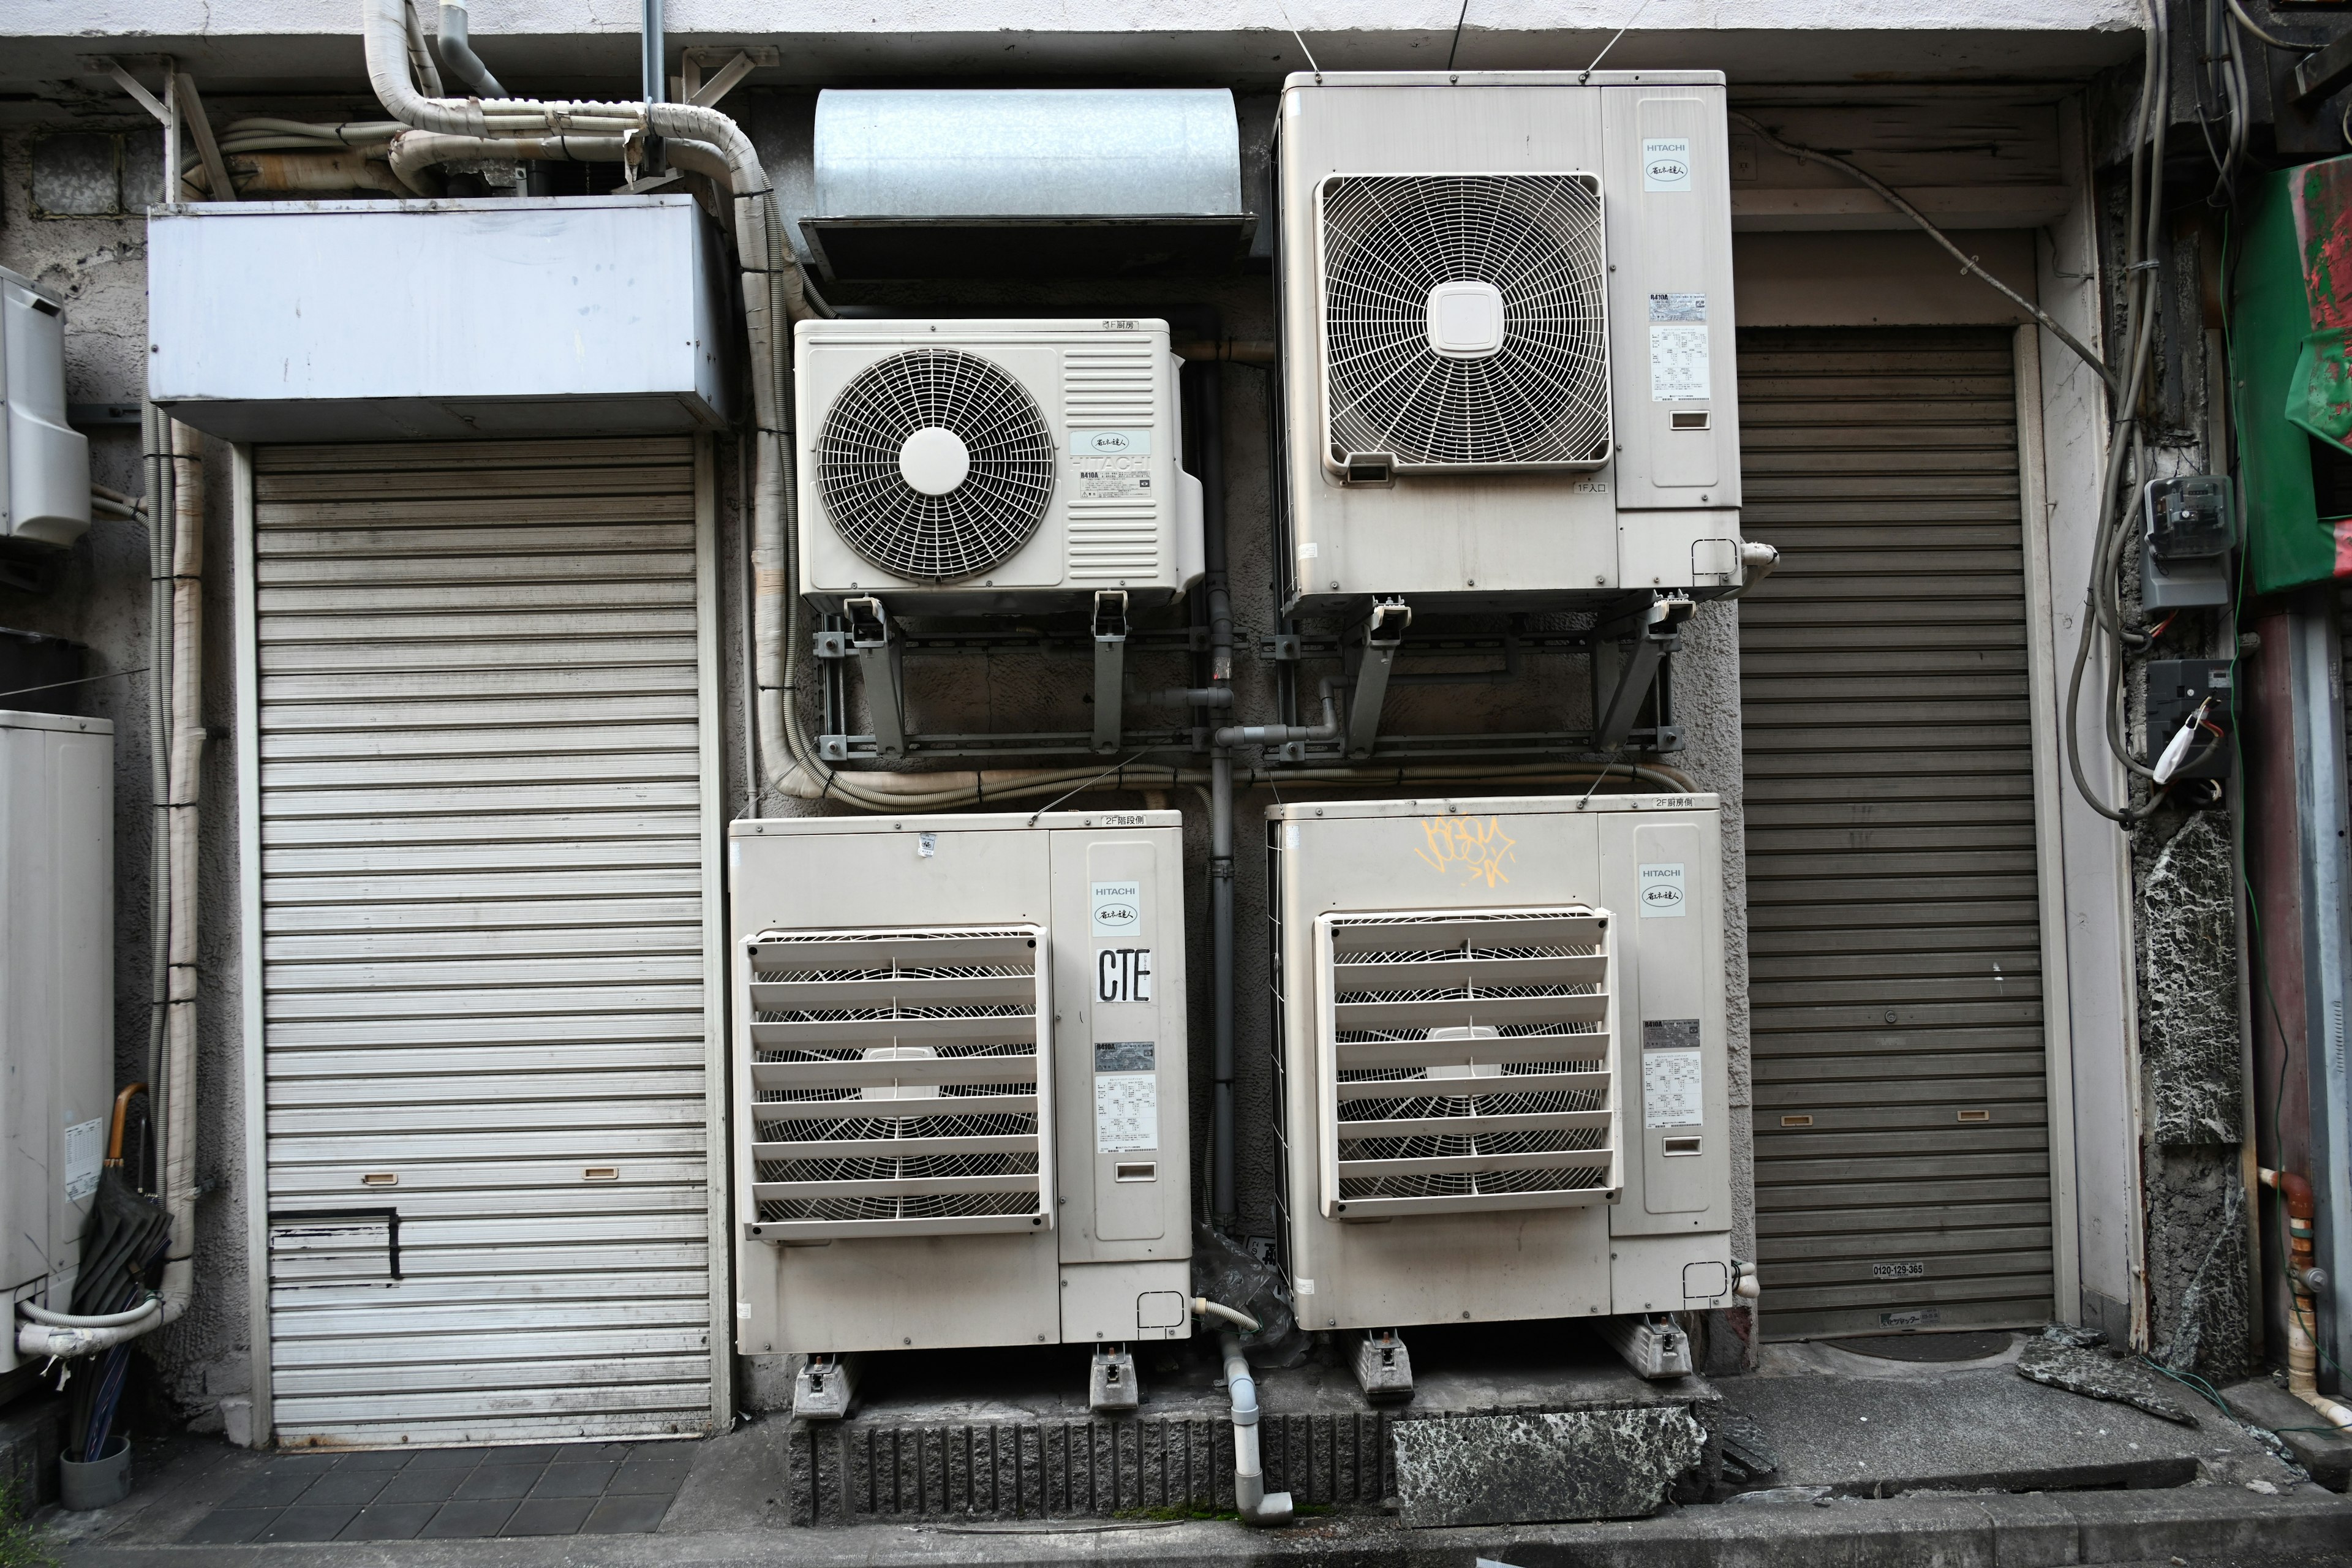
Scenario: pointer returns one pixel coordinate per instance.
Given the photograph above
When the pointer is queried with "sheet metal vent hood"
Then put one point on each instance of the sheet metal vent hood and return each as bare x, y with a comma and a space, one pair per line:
1026, 183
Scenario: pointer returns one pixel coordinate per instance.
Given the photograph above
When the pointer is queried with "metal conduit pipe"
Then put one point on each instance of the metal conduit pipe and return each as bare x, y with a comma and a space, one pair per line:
2302, 1354
457, 51
1209, 424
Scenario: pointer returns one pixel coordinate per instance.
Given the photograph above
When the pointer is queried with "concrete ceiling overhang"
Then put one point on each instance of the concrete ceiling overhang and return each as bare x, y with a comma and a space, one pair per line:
562, 46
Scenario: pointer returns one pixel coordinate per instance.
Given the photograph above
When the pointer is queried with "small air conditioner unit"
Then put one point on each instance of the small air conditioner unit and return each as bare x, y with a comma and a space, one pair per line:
1501, 1055
1506, 337
964, 468
960, 1076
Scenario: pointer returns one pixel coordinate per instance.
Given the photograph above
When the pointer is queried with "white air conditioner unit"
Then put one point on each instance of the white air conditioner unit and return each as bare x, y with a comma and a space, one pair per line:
1503, 1060
1506, 337
980, 466
961, 1081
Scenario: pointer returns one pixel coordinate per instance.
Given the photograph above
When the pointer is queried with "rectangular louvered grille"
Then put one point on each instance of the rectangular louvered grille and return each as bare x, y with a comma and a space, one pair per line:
1469, 1061
1111, 541
899, 1082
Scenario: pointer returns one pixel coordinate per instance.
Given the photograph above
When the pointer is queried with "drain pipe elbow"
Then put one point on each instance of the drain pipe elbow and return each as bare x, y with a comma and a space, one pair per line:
1256, 1505
457, 51
1280, 734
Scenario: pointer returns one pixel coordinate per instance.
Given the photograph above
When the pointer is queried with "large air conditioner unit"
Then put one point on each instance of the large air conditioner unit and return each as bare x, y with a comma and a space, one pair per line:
1501, 1048
1506, 337
960, 1084
974, 468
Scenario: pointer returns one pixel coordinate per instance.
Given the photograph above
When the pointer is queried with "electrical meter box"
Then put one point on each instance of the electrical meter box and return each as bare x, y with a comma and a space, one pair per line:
2188, 526
1503, 1066
57, 996
959, 1082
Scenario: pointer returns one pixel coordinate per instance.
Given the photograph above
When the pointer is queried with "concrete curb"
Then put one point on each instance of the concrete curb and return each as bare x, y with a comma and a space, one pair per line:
1921, 1531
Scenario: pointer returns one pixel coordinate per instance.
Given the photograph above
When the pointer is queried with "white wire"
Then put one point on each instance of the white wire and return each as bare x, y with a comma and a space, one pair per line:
1302, 41
1611, 43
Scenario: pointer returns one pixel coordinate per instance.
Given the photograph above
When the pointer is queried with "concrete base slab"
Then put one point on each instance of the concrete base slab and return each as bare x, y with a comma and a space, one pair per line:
1010, 1437
1983, 1428
1576, 1465
2325, 1454
32, 1434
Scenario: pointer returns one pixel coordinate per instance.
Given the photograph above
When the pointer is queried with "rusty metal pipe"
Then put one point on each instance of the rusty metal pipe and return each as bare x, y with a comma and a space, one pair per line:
2302, 1352
413, 152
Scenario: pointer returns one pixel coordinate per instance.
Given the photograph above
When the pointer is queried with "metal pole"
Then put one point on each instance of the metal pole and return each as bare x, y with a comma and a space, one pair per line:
2328, 955
657, 77
1209, 411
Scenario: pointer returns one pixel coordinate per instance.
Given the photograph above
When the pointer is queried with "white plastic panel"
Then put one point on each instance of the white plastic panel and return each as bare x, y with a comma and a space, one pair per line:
44, 465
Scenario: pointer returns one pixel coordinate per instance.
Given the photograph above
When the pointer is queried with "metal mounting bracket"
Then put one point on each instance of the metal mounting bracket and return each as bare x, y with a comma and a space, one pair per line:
1110, 664
878, 660
1654, 631
1282, 648
830, 645
1371, 658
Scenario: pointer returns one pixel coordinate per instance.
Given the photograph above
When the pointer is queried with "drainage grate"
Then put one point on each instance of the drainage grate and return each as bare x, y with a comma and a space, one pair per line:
452, 1494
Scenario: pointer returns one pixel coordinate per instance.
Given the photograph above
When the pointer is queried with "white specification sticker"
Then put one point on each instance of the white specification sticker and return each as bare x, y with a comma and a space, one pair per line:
1679, 367
1678, 307
1663, 890
1114, 478
1117, 908
1127, 1112
1665, 163
85, 1151
1670, 1088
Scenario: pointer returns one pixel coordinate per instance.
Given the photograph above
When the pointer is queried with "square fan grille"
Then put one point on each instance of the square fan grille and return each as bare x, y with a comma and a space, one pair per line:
1467, 1061
1406, 262
900, 1082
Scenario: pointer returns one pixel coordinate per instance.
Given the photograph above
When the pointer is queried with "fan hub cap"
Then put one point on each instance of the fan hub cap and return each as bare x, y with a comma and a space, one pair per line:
934, 461
1465, 320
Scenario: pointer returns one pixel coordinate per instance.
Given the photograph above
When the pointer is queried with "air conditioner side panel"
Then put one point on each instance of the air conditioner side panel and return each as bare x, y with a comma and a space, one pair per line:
919, 1293
1671, 1003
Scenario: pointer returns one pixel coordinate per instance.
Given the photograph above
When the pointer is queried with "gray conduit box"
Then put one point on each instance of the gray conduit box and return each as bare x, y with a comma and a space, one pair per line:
374, 321
1026, 183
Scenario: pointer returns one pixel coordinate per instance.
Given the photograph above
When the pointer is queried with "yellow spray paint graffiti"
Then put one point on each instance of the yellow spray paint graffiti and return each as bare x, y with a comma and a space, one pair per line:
1478, 849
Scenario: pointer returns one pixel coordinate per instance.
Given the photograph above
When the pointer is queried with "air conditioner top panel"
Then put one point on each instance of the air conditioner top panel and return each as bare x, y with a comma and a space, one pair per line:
977, 332
1495, 805
1502, 79
966, 822
12, 720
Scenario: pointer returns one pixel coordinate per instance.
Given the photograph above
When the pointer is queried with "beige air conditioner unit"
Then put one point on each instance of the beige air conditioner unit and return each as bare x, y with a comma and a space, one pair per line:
961, 1087
982, 466
1507, 329
1503, 1066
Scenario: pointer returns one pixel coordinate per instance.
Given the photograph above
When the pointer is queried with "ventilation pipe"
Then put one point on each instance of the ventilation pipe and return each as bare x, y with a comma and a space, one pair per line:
2303, 1281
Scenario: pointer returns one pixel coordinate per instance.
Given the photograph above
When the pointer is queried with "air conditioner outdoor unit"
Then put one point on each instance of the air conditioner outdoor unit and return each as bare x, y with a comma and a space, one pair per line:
1506, 337
963, 467
1503, 1063
961, 1086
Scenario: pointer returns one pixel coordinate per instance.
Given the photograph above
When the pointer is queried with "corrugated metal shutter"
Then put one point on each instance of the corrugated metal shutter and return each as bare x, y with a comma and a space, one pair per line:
1902, 1139
484, 802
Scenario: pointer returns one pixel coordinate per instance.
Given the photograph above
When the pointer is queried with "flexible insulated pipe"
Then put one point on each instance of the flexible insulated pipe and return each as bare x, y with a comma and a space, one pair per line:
2302, 1353
414, 150
47, 1319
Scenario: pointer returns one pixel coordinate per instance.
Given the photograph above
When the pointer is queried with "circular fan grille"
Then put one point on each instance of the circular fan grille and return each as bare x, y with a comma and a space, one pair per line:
974, 526
1539, 399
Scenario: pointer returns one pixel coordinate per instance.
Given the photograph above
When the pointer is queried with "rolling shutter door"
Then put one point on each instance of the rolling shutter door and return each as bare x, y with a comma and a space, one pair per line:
480, 714
1902, 1141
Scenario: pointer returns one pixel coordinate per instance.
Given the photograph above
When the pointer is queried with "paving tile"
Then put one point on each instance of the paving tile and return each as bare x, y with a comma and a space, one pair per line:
229, 1526
643, 1475
499, 1481
530, 1454
303, 1464
560, 1480
549, 1516
474, 1520
576, 1453
449, 1459
389, 1521
625, 1515
422, 1486
353, 1489
300, 1523
377, 1459
270, 1491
